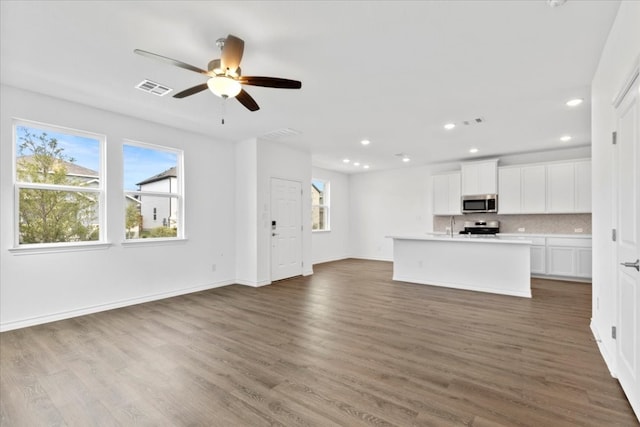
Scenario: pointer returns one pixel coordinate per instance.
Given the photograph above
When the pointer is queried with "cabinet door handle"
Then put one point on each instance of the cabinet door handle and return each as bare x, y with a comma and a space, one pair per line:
635, 265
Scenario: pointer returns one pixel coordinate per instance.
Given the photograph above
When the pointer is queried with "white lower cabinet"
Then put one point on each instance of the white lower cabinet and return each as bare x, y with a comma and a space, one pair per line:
569, 257
563, 257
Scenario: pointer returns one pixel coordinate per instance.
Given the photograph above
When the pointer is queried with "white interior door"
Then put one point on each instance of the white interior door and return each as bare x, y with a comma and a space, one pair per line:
628, 245
286, 229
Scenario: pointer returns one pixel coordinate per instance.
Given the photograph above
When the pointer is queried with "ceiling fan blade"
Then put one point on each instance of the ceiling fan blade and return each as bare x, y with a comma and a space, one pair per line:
172, 62
246, 100
191, 91
275, 82
232, 53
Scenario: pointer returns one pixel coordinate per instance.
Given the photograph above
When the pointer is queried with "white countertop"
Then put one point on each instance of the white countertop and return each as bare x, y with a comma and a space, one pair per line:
575, 235
462, 238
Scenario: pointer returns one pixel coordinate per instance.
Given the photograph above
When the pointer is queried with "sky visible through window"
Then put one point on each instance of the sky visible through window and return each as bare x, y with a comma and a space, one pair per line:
319, 185
141, 163
85, 150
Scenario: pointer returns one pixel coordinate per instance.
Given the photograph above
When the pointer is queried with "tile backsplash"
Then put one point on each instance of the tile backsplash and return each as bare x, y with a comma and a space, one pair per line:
532, 224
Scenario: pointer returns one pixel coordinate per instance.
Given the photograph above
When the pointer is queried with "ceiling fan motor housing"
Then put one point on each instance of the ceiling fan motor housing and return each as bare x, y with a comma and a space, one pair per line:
215, 66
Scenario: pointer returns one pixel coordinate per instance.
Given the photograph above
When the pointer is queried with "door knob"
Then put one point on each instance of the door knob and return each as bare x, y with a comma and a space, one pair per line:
274, 234
635, 265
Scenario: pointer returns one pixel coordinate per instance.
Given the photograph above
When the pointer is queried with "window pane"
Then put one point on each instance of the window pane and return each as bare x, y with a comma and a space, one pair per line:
150, 169
317, 192
151, 216
50, 216
56, 158
319, 217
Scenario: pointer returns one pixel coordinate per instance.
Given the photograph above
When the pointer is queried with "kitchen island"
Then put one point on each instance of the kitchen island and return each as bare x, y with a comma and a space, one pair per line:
484, 264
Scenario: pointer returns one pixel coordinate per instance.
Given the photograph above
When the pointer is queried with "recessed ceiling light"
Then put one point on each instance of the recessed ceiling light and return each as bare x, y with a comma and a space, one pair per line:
366, 166
449, 126
406, 159
365, 142
565, 138
574, 102
345, 160
473, 150
356, 164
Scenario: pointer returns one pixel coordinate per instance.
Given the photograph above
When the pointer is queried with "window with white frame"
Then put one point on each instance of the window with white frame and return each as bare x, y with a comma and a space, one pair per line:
153, 191
319, 205
59, 185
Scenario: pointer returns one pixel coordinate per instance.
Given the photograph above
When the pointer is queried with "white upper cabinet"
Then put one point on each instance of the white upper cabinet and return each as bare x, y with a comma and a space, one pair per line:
534, 189
510, 191
521, 189
562, 187
480, 177
561, 184
446, 194
569, 187
583, 186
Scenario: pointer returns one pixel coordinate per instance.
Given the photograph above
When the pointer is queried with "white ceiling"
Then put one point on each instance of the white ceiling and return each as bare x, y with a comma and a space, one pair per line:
390, 71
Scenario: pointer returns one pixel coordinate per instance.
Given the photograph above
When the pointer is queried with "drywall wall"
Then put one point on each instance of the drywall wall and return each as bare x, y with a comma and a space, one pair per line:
334, 244
619, 56
246, 208
36, 288
388, 202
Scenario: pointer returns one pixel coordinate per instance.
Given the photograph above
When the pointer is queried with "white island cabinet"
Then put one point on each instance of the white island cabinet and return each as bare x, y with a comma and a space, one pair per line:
499, 266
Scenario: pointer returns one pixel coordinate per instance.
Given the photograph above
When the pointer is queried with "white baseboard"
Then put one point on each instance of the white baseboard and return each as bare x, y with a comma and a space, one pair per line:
608, 360
332, 259
513, 293
54, 317
368, 258
253, 283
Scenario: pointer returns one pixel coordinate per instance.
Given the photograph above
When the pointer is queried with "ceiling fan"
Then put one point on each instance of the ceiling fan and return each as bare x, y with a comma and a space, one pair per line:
224, 76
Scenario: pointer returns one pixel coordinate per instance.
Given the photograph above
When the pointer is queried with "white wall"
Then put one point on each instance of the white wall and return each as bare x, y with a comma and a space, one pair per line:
246, 201
619, 55
388, 202
334, 244
36, 288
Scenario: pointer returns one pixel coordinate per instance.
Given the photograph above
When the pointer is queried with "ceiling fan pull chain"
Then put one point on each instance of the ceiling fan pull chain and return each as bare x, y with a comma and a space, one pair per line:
222, 109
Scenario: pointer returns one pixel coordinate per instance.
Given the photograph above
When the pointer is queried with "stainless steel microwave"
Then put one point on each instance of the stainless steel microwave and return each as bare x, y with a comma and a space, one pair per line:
480, 203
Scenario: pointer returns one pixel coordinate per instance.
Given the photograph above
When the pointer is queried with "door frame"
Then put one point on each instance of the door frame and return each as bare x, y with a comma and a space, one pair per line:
271, 254
631, 82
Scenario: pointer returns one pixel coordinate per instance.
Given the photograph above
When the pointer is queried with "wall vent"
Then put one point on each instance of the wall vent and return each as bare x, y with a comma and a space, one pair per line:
153, 87
281, 133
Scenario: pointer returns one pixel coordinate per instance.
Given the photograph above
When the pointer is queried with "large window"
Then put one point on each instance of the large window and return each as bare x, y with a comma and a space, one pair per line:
153, 191
59, 187
319, 205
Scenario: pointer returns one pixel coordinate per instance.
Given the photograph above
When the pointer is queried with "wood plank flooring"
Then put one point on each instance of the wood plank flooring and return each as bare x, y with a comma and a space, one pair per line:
346, 346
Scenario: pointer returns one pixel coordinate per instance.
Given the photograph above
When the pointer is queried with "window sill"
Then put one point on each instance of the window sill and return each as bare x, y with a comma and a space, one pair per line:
62, 247
153, 242
321, 231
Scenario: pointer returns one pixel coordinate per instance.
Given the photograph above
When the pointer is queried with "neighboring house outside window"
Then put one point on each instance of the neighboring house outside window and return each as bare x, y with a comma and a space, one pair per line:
58, 184
153, 179
320, 205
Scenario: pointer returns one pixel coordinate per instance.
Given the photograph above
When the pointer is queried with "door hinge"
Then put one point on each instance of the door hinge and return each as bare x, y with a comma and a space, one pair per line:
613, 332
613, 234
614, 138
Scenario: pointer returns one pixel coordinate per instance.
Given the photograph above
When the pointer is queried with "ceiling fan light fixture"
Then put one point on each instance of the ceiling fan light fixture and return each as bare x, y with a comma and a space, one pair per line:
224, 87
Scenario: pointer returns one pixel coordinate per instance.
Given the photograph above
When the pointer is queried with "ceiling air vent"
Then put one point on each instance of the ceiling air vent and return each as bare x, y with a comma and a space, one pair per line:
281, 133
153, 87
475, 121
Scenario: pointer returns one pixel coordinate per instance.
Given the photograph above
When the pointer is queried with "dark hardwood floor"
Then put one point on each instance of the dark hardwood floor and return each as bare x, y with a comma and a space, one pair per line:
347, 346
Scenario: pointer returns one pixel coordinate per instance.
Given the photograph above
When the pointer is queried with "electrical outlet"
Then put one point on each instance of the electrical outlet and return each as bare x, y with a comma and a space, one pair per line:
213, 267
577, 230
521, 229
